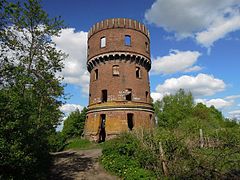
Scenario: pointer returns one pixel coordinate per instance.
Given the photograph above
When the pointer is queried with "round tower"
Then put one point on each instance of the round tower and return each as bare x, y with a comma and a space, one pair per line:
119, 94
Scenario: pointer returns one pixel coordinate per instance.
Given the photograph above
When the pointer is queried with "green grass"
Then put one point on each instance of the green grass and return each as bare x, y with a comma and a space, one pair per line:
78, 143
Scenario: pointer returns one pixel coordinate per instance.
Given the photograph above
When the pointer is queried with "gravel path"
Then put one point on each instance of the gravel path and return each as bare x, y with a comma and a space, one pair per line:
79, 165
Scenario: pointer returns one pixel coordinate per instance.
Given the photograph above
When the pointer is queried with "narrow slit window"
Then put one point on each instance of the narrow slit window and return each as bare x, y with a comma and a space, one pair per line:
127, 40
104, 95
147, 46
146, 93
129, 94
96, 74
103, 42
130, 121
138, 72
115, 70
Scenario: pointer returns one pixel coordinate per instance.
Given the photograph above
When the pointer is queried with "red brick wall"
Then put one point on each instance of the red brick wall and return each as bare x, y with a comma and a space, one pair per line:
116, 107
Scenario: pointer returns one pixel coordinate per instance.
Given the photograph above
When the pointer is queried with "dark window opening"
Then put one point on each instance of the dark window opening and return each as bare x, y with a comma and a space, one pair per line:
130, 121
104, 95
138, 72
150, 117
102, 131
115, 70
146, 93
96, 74
129, 94
127, 40
103, 42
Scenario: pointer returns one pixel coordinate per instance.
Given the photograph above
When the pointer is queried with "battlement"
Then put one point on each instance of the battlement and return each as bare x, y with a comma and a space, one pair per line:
118, 23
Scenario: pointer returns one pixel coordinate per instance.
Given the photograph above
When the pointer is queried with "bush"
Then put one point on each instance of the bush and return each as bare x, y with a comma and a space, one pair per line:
121, 156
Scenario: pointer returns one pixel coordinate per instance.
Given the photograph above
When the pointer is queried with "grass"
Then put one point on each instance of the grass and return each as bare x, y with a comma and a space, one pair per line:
78, 143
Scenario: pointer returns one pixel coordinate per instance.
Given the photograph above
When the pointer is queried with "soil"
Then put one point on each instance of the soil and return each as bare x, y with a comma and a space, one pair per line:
79, 165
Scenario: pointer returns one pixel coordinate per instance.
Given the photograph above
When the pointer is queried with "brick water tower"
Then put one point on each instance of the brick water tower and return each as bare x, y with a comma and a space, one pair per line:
118, 62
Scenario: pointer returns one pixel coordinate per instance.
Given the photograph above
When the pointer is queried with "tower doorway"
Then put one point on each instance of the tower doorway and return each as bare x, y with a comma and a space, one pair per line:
102, 131
130, 121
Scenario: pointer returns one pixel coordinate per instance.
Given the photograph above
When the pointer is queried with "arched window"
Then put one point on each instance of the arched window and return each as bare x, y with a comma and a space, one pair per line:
146, 93
138, 72
115, 70
103, 42
96, 74
147, 46
130, 121
127, 40
104, 95
128, 94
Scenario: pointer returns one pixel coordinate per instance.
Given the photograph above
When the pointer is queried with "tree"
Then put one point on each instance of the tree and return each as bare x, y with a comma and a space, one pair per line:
74, 124
172, 109
30, 91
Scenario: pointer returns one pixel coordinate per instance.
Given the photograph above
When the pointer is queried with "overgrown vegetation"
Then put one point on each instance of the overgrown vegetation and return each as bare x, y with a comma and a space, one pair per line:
71, 136
191, 141
30, 91
78, 143
74, 124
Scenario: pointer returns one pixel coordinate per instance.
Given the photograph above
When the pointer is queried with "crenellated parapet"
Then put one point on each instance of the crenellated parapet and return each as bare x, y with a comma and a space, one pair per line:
118, 23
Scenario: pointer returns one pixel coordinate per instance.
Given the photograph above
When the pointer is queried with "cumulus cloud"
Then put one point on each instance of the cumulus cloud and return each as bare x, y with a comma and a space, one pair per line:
200, 85
176, 61
218, 30
156, 96
68, 108
235, 114
75, 45
205, 20
217, 103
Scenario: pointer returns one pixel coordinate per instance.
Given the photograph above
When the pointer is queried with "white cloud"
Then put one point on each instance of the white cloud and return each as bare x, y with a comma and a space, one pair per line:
176, 61
218, 103
193, 69
74, 44
208, 20
201, 85
235, 114
218, 30
68, 108
232, 97
156, 96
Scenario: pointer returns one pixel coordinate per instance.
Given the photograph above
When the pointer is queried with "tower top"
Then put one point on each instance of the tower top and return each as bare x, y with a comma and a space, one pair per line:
118, 23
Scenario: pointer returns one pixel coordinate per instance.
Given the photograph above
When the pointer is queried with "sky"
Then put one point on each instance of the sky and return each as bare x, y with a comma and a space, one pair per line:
195, 45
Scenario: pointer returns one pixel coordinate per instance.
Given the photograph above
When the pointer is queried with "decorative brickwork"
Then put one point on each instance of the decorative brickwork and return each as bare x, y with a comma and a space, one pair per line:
118, 62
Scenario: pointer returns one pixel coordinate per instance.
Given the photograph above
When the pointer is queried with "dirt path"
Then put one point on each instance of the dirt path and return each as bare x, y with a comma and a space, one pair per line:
80, 164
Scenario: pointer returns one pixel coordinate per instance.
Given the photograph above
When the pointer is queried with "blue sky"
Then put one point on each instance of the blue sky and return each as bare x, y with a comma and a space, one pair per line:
195, 45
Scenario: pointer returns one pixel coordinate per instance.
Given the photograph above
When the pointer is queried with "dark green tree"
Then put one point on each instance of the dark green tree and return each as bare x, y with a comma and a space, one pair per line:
30, 90
74, 124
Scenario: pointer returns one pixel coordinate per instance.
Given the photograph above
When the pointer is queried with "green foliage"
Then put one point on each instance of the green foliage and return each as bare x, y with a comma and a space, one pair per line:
74, 124
121, 157
174, 108
173, 150
29, 89
78, 143
57, 142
